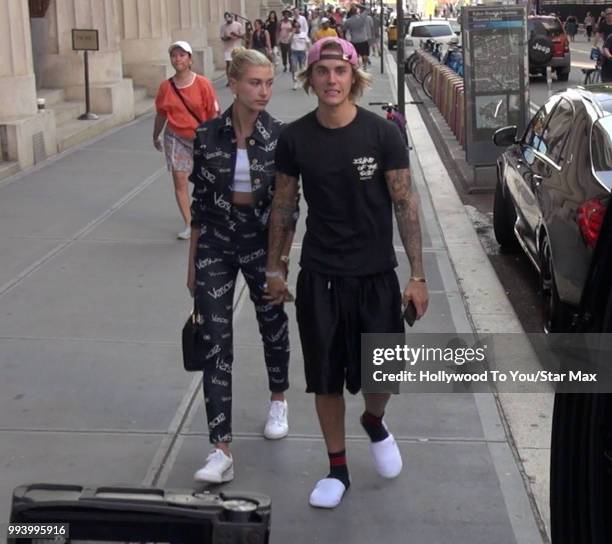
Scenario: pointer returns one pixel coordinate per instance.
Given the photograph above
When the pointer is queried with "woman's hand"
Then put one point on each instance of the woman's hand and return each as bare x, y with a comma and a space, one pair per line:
277, 291
157, 143
191, 280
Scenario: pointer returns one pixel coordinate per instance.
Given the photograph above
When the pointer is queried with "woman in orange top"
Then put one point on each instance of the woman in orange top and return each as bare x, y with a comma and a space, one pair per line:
182, 103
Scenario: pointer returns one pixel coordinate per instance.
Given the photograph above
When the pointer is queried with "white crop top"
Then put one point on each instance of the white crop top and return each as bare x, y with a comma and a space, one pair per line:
242, 173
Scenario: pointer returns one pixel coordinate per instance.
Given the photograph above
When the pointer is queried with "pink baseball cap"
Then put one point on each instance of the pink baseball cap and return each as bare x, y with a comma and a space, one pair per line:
349, 54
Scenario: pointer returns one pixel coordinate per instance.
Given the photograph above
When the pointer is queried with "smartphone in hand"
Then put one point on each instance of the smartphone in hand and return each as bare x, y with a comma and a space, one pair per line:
410, 313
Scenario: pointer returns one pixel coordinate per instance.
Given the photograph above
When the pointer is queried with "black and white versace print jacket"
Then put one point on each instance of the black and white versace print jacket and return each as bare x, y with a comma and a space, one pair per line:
214, 161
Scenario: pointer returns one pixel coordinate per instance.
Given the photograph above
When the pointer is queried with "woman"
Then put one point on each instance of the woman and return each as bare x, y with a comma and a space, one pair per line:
300, 43
285, 30
233, 180
571, 27
182, 103
272, 27
248, 38
260, 40
588, 25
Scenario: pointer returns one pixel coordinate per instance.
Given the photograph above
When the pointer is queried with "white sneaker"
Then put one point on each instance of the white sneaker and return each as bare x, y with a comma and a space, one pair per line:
276, 424
219, 468
295, 85
184, 234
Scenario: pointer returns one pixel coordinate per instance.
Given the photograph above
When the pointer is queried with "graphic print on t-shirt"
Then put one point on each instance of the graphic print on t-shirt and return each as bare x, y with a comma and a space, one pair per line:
366, 167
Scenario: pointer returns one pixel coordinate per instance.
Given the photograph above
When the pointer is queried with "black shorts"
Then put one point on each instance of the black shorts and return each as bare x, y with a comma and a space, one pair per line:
362, 48
332, 312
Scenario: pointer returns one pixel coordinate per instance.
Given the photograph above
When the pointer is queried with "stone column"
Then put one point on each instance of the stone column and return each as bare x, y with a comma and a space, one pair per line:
26, 136
186, 21
63, 67
17, 83
145, 37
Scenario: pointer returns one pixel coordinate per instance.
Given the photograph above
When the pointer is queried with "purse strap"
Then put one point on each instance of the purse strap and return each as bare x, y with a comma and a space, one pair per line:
180, 95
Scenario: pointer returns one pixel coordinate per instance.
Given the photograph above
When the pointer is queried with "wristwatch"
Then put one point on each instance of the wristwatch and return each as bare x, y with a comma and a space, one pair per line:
285, 259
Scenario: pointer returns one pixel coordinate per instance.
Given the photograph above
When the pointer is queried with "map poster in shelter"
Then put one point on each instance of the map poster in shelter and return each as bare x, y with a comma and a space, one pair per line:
496, 76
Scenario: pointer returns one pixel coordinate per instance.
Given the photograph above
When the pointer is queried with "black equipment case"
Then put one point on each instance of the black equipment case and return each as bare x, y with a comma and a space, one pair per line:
144, 514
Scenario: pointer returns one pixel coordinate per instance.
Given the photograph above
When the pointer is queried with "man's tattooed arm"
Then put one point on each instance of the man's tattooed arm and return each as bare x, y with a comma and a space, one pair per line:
406, 207
281, 218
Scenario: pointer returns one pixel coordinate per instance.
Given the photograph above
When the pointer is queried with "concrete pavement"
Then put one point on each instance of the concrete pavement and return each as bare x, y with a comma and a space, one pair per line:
92, 300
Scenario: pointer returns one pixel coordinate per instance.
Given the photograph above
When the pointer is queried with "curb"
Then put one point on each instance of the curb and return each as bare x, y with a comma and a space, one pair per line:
527, 417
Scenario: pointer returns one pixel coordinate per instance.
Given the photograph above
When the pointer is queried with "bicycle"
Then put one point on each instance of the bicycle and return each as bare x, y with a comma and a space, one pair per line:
395, 116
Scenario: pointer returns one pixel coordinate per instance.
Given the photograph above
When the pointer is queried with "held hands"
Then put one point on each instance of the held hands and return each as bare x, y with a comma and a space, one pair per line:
277, 291
416, 291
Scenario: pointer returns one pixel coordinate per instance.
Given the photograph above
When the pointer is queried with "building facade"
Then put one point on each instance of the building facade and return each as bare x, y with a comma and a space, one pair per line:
37, 63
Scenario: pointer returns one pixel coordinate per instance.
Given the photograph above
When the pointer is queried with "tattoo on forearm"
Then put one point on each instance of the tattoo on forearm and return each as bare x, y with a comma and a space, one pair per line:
406, 206
281, 217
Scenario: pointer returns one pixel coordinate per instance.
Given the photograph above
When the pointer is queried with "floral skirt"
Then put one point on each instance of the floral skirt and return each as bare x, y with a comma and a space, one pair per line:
179, 152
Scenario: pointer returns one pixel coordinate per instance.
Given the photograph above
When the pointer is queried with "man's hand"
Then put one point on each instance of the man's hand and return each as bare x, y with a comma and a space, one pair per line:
191, 280
416, 291
277, 291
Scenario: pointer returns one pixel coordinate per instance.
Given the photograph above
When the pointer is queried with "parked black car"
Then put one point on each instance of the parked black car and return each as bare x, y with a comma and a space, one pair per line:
552, 192
581, 445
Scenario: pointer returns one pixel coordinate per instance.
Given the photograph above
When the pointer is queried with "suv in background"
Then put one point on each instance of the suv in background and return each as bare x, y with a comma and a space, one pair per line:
551, 29
438, 30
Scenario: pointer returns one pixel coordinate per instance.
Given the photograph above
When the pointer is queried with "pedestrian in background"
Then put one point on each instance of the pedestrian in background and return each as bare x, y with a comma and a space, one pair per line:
233, 179
182, 103
347, 284
375, 41
285, 30
325, 31
260, 40
231, 36
356, 25
588, 25
271, 25
571, 27
300, 42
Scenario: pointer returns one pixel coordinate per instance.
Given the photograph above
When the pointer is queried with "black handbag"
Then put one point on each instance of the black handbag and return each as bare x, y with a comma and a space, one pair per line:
193, 342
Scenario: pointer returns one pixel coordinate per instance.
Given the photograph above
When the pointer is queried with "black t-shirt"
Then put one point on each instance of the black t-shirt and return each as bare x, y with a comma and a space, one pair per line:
349, 226
605, 29
606, 66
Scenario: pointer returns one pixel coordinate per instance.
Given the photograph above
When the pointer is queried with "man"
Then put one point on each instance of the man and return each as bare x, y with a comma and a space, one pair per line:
357, 25
231, 36
604, 28
347, 285
297, 16
325, 31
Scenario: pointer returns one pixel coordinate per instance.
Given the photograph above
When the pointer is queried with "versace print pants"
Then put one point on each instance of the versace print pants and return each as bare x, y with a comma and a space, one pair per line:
221, 253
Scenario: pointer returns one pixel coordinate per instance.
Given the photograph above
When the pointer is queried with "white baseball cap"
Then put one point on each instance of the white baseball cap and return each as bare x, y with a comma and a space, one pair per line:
183, 45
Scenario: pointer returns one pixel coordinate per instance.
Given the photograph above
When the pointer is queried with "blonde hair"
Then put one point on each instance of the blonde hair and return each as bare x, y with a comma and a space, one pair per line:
363, 80
243, 59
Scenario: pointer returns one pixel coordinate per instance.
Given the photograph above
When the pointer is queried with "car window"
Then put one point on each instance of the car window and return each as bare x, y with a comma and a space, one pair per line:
559, 126
544, 27
431, 31
601, 150
534, 135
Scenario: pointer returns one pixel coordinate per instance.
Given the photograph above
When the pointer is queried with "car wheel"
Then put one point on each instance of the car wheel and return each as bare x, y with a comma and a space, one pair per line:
504, 218
562, 75
555, 315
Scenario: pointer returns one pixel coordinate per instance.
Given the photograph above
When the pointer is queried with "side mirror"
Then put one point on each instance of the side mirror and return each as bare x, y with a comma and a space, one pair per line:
505, 136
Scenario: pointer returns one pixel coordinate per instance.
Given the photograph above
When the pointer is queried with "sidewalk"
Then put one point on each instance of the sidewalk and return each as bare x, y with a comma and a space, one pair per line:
92, 299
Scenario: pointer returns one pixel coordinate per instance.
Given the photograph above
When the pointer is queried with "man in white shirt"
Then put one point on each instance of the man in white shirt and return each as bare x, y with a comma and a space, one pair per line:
231, 36
301, 19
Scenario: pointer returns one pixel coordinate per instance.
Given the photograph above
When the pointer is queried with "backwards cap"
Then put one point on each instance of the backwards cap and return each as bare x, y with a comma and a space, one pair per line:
348, 54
